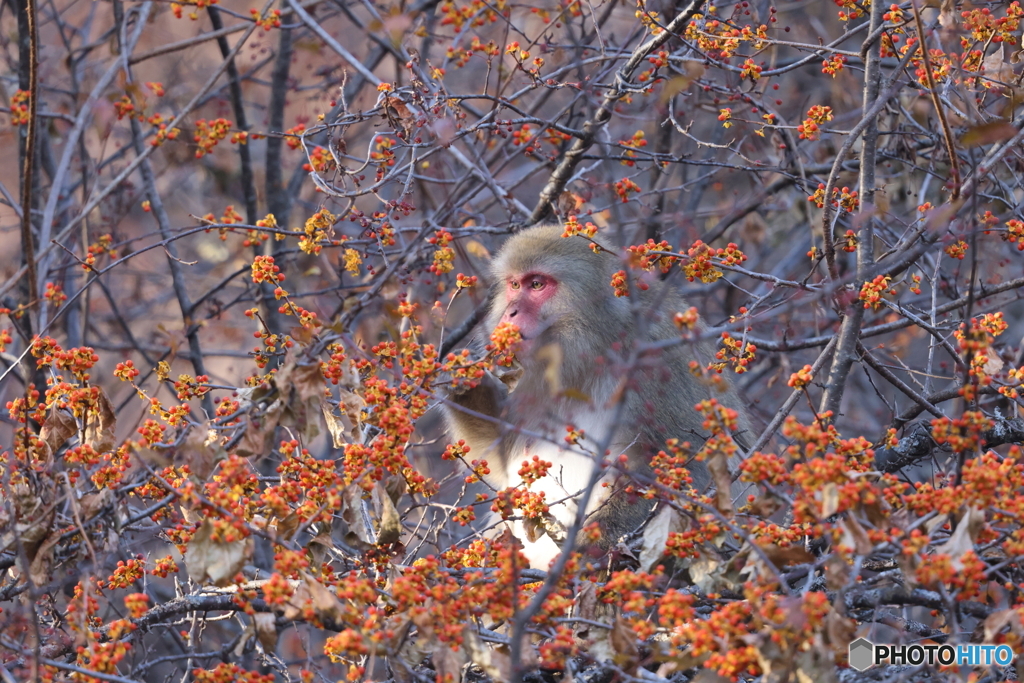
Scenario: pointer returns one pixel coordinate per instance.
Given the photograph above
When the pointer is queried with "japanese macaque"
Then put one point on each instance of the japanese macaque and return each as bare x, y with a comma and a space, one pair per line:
579, 364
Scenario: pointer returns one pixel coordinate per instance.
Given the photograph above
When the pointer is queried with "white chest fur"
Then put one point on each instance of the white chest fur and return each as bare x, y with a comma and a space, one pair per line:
570, 474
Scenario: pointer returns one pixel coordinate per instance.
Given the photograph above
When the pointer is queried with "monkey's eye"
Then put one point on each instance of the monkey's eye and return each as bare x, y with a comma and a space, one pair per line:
537, 285
514, 284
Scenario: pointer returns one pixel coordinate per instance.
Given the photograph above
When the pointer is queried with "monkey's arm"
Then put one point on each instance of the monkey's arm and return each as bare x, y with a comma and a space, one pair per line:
473, 414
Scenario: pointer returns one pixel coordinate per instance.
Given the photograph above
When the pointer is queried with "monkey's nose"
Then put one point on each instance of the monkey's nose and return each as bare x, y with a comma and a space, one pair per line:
513, 313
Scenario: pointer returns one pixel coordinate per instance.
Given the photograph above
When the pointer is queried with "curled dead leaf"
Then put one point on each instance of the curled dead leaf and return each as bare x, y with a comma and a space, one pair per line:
996, 68
35, 514
389, 523
41, 563
448, 663
396, 486
495, 664
782, 556
718, 466
356, 513
988, 133
259, 431
100, 423
840, 631
623, 642
656, 535
92, 503
855, 537
837, 573
310, 593
301, 386
829, 497
212, 560
319, 548
58, 427
287, 527
338, 426
963, 537
707, 572
997, 621
202, 451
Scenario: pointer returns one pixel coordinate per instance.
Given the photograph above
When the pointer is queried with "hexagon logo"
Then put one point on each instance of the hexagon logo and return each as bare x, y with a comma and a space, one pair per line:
862, 654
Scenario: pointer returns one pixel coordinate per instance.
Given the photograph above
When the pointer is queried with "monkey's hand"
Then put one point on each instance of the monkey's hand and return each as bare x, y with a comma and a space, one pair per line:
486, 396
467, 407
509, 375
535, 527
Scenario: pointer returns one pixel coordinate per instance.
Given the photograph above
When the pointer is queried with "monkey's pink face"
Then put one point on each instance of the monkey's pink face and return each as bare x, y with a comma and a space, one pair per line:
525, 296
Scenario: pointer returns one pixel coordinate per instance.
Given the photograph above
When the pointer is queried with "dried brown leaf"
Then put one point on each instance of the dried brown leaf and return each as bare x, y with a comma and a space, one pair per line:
39, 568
947, 14
754, 228
878, 511
510, 375
211, 560
287, 527
765, 505
319, 548
58, 427
266, 630
963, 537
840, 630
301, 387
100, 425
718, 466
92, 503
259, 431
623, 642
390, 524
656, 535
566, 203
325, 603
855, 537
396, 486
202, 451
576, 395
783, 556
448, 663
707, 572
675, 86
357, 514
837, 573
338, 426
988, 133
996, 68
34, 514
816, 665
586, 601
829, 496
495, 664
997, 621
297, 603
